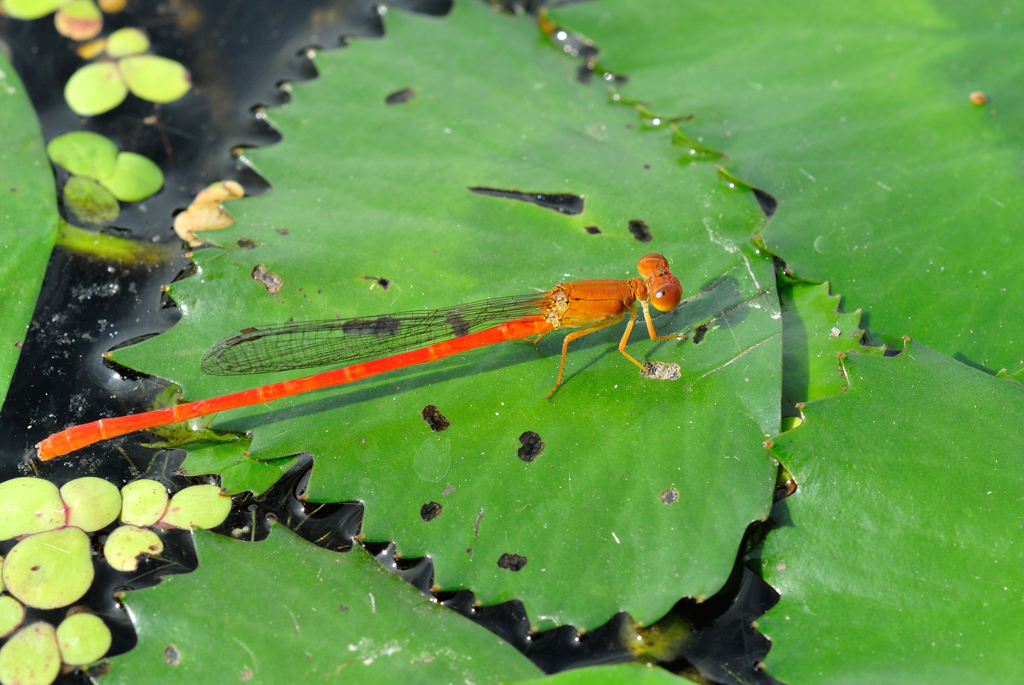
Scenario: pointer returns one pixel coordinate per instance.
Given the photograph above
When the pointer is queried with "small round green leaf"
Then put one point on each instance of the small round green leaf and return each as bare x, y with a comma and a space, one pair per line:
92, 503
82, 639
154, 78
31, 656
90, 202
79, 20
29, 505
134, 178
95, 89
84, 153
202, 506
31, 9
127, 543
12, 613
50, 570
143, 502
125, 42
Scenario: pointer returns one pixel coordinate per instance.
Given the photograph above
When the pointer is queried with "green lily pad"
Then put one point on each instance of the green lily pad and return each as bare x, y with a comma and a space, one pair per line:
29, 505
127, 543
84, 153
324, 615
891, 183
134, 178
902, 551
128, 41
49, 570
814, 334
79, 20
83, 638
95, 89
12, 613
238, 472
143, 502
90, 202
198, 506
653, 482
30, 656
28, 218
92, 503
31, 9
155, 78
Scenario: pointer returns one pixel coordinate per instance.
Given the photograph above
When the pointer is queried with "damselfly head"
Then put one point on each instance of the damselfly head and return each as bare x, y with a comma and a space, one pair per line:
663, 288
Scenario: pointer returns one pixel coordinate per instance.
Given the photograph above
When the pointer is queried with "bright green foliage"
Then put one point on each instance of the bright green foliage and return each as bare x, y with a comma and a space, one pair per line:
83, 638
127, 41
49, 570
92, 503
155, 78
813, 335
84, 153
900, 559
238, 473
620, 674
856, 116
28, 217
89, 202
143, 502
95, 89
127, 543
321, 616
29, 505
644, 488
30, 656
31, 9
199, 506
134, 177
12, 613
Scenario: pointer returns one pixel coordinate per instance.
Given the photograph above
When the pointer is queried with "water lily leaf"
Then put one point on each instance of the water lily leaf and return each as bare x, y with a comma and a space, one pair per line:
84, 153
95, 89
859, 120
814, 334
128, 41
134, 178
652, 481
29, 217
327, 613
90, 202
31, 9
155, 78
79, 20
871, 556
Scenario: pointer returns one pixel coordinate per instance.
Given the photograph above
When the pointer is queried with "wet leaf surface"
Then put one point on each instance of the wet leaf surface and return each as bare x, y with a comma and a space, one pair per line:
30, 218
899, 558
387, 194
892, 184
331, 615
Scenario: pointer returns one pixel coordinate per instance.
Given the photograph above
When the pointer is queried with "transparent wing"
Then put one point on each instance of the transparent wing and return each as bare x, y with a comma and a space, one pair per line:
305, 344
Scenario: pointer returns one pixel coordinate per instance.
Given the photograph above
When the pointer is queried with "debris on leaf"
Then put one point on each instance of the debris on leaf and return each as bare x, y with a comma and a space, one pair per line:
206, 213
